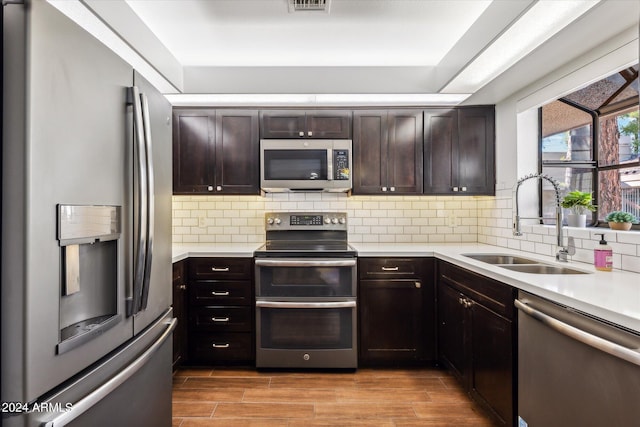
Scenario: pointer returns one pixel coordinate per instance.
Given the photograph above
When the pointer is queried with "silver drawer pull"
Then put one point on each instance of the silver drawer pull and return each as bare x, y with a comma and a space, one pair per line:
390, 268
214, 345
220, 319
220, 294
220, 270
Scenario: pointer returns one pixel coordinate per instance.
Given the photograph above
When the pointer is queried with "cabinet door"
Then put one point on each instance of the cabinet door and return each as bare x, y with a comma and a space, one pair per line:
179, 312
370, 140
492, 348
476, 157
329, 124
282, 124
237, 168
440, 150
193, 151
459, 152
452, 335
404, 156
390, 321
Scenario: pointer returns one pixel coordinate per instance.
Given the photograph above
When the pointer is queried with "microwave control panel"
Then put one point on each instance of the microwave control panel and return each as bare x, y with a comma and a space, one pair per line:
341, 164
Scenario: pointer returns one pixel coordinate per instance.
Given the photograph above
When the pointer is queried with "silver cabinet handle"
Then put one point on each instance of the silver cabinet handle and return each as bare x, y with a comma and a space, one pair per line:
214, 345
288, 304
220, 319
455, 189
384, 188
219, 188
464, 188
304, 263
617, 350
182, 287
105, 389
210, 188
220, 294
329, 164
309, 133
301, 133
392, 188
220, 269
390, 268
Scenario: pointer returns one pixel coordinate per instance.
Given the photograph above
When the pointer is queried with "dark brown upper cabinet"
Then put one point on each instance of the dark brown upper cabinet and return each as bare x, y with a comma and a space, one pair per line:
459, 151
216, 152
387, 146
326, 124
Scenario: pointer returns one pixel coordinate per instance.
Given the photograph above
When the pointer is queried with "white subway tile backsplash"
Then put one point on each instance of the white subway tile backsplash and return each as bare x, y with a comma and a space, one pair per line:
389, 219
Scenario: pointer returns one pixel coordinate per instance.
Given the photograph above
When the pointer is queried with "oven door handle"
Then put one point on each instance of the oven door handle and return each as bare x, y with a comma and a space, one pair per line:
305, 263
289, 304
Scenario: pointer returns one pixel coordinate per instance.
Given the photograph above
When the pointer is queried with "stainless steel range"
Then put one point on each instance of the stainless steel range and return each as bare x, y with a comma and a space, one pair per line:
306, 292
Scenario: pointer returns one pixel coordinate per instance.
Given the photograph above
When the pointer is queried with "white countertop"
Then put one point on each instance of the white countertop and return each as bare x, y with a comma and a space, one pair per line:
193, 250
613, 296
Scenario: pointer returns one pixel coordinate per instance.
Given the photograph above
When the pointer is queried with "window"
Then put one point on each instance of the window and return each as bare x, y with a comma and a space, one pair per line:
589, 142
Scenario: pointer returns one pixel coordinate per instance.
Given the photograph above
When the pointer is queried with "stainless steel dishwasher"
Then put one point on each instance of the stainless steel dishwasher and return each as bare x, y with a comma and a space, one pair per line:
573, 369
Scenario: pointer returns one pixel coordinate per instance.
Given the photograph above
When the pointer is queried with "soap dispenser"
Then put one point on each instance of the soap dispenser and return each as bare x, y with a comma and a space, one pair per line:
603, 255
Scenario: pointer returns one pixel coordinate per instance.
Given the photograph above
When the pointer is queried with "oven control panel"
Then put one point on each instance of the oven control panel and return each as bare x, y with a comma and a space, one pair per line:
306, 220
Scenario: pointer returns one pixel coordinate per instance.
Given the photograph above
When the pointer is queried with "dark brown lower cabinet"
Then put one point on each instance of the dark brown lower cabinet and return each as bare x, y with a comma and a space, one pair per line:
396, 311
221, 307
477, 335
179, 291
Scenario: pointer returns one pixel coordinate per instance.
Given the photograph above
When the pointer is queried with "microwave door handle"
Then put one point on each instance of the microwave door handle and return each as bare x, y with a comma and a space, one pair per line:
329, 164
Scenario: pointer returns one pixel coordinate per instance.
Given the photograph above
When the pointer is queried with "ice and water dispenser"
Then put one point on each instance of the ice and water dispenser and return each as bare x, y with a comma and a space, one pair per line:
88, 236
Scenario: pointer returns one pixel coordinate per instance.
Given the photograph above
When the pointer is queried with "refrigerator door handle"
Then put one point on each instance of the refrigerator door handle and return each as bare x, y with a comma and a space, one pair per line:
141, 214
150, 200
103, 391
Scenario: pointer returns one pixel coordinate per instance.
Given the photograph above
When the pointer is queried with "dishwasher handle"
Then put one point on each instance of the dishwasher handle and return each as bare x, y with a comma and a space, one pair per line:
617, 350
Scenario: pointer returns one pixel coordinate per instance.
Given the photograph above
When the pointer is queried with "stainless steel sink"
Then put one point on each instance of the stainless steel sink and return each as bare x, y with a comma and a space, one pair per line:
501, 259
543, 269
523, 265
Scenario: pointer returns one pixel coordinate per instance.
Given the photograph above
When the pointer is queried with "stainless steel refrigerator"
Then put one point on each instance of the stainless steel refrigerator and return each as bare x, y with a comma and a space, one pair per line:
86, 230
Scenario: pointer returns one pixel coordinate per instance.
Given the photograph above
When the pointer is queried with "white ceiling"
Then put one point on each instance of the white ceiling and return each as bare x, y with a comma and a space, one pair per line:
359, 47
264, 33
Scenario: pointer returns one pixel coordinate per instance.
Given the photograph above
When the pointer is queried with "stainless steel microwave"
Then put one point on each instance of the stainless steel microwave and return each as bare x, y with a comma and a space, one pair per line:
305, 165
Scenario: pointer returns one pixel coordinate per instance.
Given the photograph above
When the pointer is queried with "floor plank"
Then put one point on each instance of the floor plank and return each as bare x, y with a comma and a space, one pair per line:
235, 397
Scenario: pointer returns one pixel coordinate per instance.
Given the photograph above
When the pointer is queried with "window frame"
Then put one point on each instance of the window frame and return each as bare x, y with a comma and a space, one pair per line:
594, 163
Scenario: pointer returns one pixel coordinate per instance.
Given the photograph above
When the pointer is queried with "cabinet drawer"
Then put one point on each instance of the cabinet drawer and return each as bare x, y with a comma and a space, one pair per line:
213, 292
220, 268
382, 268
492, 294
221, 348
222, 319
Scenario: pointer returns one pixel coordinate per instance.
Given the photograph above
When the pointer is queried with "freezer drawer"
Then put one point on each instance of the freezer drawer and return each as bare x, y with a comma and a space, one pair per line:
130, 387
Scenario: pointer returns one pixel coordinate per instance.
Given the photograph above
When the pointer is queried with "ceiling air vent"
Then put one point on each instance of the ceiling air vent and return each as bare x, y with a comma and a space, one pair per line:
315, 5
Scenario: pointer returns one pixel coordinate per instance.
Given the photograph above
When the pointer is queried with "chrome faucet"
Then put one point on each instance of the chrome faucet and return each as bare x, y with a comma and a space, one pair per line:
563, 251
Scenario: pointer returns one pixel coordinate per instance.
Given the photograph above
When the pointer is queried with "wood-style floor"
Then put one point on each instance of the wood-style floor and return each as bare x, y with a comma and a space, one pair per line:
367, 397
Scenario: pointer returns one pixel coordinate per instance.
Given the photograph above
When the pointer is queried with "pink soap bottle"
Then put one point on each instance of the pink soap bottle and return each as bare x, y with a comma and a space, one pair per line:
603, 255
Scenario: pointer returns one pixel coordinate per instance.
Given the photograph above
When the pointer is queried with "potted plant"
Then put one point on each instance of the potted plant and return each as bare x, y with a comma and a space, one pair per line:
619, 220
578, 203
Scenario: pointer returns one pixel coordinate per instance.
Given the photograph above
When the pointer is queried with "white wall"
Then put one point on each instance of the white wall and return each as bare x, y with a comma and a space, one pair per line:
517, 128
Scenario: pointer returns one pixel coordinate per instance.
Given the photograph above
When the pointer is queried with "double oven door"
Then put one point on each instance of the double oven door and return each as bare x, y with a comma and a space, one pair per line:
306, 313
